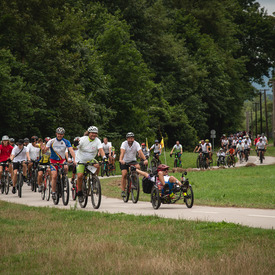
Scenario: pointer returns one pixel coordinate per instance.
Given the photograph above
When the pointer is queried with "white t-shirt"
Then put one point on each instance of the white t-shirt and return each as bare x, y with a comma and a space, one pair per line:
33, 151
130, 151
260, 145
204, 148
22, 156
87, 149
177, 148
156, 148
106, 147
239, 146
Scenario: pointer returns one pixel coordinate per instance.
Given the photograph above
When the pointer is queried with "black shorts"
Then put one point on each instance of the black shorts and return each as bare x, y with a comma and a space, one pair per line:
4, 163
107, 155
157, 153
206, 155
16, 165
126, 166
42, 166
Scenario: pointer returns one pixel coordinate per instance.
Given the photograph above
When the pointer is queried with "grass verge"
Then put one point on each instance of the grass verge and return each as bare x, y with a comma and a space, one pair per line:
46, 241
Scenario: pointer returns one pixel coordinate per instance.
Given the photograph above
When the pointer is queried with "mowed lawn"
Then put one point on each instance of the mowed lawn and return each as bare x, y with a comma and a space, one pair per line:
252, 187
52, 241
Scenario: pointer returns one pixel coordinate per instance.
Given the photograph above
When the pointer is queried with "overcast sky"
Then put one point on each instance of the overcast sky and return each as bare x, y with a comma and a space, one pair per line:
268, 4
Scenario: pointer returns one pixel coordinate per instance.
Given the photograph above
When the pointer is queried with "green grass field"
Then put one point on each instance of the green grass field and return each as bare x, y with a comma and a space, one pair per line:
240, 187
52, 241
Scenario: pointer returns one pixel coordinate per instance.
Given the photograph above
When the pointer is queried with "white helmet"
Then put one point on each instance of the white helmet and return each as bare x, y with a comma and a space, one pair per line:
60, 130
5, 138
130, 134
93, 129
76, 138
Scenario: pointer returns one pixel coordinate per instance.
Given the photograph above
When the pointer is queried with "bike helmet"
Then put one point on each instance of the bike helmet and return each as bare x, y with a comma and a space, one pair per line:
12, 140
142, 144
76, 138
47, 139
156, 141
93, 129
26, 140
130, 134
20, 141
207, 140
60, 130
5, 138
240, 141
162, 167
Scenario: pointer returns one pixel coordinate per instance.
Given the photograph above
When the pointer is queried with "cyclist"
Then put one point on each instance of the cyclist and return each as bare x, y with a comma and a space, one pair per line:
75, 148
88, 148
221, 156
246, 147
264, 138
58, 147
145, 151
26, 142
34, 152
44, 160
19, 153
5, 152
128, 155
198, 147
157, 149
107, 148
240, 148
261, 146
12, 142
209, 145
231, 152
178, 150
162, 177
204, 149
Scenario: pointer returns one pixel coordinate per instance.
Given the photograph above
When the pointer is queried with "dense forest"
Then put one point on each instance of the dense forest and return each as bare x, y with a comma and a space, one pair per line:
172, 68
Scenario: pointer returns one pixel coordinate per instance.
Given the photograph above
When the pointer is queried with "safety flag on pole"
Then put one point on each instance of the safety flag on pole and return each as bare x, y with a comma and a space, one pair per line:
162, 143
147, 147
163, 149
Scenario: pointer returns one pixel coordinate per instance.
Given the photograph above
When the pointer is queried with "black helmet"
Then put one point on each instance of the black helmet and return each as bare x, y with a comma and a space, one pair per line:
26, 140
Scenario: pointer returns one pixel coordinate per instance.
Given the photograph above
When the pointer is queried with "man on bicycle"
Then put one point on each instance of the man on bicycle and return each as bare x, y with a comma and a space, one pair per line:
240, 148
57, 147
178, 150
107, 148
88, 148
204, 148
157, 149
128, 155
261, 146
19, 153
34, 152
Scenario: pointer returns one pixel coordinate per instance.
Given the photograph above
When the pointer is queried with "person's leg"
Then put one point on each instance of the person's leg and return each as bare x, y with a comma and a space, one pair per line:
53, 179
123, 179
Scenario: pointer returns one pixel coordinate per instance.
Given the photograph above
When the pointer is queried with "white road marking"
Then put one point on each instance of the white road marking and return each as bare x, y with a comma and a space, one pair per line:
262, 216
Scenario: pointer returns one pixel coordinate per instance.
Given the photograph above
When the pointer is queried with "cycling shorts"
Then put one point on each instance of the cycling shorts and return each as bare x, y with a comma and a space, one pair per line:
55, 164
42, 166
126, 166
80, 168
16, 165
157, 153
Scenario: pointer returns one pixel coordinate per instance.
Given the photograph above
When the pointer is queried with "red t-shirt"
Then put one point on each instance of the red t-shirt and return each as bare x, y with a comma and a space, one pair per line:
5, 152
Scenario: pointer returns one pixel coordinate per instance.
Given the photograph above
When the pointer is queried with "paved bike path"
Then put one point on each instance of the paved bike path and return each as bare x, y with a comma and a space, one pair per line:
245, 216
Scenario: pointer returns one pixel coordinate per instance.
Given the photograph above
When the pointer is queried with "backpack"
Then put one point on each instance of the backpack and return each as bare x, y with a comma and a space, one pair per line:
147, 185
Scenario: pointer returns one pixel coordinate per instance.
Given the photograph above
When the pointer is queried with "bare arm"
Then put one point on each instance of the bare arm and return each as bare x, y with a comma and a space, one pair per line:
122, 152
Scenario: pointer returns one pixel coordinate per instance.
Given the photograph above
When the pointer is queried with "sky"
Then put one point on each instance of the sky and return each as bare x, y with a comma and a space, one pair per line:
270, 7
268, 4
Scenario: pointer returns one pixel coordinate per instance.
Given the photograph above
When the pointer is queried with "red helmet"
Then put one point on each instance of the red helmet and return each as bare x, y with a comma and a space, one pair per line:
143, 144
47, 139
162, 167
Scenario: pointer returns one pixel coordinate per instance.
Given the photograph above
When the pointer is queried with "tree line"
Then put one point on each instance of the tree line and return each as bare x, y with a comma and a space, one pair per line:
155, 67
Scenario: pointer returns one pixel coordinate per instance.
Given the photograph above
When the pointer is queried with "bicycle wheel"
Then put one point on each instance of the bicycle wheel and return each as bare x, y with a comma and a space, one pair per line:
113, 170
43, 191
198, 162
7, 184
35, 180
3, 184
48, 188
20, 184
155, 198
65, 190
102, 170
56, 200
107, 171
261, 157
74, 190
127, 190
85, 191
135, 188
95, 192
189, 197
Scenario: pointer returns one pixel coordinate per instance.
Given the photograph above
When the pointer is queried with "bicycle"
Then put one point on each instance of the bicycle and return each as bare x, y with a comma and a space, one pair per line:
230, 160
90, 186
246, 154
20, 180
155, 162
105, 168
132, 185
163, 195
46, 183
177, 162
33, 176
5, 180
261, 157
143, 167
113, 169
199, 160
240, 156
62, 185
221, 161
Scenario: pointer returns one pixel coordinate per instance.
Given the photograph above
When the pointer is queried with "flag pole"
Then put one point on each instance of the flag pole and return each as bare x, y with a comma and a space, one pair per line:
162, 144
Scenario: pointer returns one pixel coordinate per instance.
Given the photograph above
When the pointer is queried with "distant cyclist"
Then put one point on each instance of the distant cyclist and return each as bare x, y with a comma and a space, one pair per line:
178, 150
5, 152
128, 155
261, 146
145, 151
107, 148
58, 147
157, 149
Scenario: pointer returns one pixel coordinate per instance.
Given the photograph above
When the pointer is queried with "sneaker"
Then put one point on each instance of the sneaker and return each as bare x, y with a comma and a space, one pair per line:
39, 188
24, 179
13, 190
54, 196
123, 194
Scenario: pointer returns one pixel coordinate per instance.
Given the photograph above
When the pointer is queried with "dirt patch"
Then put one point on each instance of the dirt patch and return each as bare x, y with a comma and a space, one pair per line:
250, 164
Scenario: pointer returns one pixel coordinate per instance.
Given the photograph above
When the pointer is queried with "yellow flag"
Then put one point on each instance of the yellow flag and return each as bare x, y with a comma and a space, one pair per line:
147, 148
162, 143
